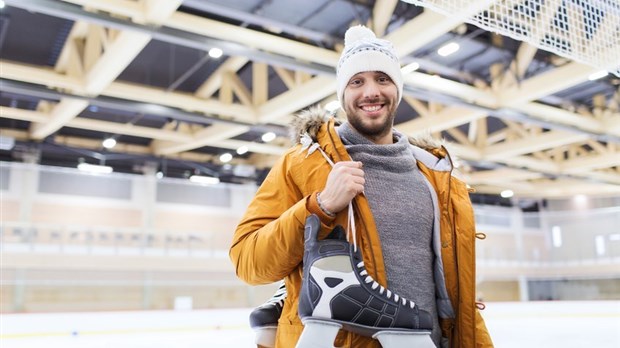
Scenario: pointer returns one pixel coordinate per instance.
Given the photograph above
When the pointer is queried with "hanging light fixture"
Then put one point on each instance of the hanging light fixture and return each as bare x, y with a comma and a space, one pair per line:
242, 149
448, 49
269, 136
215, 52
226, 157
109, 143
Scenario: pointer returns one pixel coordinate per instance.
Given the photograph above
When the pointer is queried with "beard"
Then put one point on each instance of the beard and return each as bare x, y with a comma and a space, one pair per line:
372, 129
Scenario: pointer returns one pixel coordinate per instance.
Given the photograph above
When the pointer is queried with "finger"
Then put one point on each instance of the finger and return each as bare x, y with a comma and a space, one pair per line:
348, 164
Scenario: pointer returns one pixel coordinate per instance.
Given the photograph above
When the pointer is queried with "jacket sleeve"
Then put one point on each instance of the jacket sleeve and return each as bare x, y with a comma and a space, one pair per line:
268, 242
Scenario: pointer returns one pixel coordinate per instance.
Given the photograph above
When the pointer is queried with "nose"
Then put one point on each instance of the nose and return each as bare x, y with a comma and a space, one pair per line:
371, 89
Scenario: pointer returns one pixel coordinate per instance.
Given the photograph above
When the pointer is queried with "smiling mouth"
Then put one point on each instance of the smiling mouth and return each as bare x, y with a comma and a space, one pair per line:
371, 108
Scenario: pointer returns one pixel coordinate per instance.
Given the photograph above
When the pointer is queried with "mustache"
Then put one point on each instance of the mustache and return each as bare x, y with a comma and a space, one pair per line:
377, 100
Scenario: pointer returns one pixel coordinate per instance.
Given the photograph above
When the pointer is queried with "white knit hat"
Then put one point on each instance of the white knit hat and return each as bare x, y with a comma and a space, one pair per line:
364, 52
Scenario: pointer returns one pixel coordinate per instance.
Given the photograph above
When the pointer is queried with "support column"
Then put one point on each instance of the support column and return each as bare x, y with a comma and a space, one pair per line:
29, 184
524, 290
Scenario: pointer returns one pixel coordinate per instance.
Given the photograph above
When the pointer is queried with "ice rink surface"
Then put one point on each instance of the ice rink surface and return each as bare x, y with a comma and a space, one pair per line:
512, 324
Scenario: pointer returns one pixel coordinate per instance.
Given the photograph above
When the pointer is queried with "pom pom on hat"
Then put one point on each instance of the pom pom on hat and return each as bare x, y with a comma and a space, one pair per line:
363, 51
357, 33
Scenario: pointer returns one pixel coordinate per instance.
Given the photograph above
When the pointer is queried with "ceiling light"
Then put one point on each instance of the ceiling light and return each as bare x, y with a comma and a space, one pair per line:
507, 193
597, 75
332, 106
226, 157
159, 175
269, 136
580, 201
94, 168
409, 68
205, 180
215, 52
448, 49
2, 4
109, 143
242, 149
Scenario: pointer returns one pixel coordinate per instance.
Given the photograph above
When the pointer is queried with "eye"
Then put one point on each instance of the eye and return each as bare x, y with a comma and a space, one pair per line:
355, 82
384, 79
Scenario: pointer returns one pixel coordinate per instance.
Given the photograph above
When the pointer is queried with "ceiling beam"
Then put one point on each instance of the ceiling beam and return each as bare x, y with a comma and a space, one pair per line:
565, 117
252, 38
589, 163
180, 100
447, 118
125, 8
116, 57
213, 83
545, 84
204, 40
296, 99
24, 115
61, 113
210, 135
157, 11
96, 125
260, 83
100, 70
381, 15
531, 144
128, 129
39, 75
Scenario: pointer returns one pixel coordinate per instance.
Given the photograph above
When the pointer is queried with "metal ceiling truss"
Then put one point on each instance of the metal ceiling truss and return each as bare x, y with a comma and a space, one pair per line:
543, 151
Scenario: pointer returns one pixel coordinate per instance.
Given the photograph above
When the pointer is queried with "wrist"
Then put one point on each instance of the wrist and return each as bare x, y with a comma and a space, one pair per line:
322, 207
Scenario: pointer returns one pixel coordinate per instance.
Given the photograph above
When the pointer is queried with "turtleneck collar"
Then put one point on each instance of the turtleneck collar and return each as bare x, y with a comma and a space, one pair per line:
395, 157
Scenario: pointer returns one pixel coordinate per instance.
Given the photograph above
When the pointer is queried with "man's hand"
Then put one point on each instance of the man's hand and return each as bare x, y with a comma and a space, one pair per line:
344, 182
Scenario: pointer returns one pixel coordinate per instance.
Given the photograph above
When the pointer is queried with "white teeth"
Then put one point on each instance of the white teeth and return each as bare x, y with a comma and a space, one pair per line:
371, 108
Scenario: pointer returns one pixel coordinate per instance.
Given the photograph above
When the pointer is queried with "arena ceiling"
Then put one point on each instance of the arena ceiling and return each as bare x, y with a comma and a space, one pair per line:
78, 71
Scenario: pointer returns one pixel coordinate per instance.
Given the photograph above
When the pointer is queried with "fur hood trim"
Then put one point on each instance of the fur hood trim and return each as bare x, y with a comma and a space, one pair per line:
310, 120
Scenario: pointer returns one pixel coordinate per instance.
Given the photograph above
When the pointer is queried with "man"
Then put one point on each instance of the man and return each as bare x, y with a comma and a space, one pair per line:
414, 221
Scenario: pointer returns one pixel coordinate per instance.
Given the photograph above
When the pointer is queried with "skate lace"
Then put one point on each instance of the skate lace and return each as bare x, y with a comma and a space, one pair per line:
280, 295
382, 291
351, 217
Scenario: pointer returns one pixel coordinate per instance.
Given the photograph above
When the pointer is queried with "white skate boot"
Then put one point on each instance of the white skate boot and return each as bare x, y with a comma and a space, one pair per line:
264, 318
337, 292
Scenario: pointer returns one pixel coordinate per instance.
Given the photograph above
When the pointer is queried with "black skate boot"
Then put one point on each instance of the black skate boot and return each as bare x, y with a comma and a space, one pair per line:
264, 319
337, 292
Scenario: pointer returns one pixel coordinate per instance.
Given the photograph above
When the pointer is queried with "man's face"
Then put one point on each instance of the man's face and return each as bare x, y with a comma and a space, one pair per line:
370, 102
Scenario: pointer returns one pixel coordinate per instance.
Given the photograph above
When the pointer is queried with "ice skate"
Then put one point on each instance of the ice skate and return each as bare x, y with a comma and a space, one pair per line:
264, 319
337, 292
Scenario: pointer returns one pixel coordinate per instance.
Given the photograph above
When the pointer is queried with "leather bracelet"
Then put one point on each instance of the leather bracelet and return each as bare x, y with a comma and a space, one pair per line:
325, 211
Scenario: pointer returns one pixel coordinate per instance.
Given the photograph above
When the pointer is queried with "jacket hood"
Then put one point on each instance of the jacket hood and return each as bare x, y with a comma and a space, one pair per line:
310, 121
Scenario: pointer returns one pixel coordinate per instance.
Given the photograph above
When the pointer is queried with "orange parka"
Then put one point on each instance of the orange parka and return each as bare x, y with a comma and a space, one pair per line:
268, 244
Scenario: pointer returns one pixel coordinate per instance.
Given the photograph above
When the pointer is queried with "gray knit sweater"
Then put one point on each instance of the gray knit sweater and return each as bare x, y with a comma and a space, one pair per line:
401, 205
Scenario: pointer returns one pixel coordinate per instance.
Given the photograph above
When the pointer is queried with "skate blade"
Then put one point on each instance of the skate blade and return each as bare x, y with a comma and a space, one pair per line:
402, 339
265, 336
318, 334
